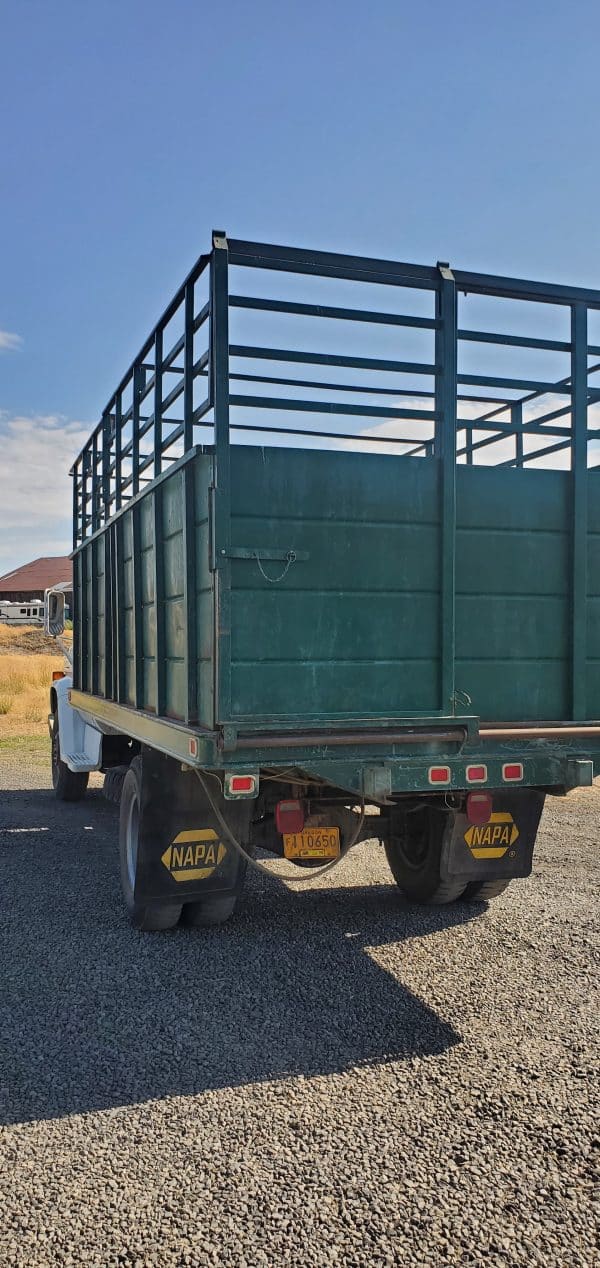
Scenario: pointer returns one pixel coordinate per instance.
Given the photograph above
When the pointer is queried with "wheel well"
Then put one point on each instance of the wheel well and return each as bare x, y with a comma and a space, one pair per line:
118, 750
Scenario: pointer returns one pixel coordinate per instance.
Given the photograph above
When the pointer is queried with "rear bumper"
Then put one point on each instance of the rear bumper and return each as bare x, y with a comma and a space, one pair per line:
398, 762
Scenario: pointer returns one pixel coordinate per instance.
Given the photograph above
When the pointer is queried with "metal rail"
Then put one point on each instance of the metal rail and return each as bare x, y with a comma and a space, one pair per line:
165, 402
337, 739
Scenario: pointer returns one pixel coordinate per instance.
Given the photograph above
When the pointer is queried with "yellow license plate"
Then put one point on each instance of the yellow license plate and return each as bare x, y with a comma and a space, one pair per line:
312, 843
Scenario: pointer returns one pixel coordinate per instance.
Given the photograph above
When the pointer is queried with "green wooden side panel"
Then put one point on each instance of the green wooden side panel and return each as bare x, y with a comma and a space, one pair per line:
92, 610
205, 669
174, 566
354, 629
127, 620
102, 577
513, 597
182, 566
593, 602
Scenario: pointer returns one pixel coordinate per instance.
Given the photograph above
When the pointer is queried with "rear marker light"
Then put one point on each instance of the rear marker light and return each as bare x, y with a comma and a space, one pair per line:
241, 785
512, 771
476, 774
193, 748
58, 673
439, 775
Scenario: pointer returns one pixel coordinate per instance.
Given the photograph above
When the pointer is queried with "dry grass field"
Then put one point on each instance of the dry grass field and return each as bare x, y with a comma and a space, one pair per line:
27, 658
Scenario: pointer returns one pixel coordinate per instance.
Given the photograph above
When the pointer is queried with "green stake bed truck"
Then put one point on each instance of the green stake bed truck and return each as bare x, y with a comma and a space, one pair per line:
336, 547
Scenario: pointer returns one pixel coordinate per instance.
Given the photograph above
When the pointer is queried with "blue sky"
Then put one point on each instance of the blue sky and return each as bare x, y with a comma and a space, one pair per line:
461, 131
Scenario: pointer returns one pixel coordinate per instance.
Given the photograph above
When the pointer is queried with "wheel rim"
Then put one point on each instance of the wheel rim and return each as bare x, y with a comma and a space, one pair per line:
131, 840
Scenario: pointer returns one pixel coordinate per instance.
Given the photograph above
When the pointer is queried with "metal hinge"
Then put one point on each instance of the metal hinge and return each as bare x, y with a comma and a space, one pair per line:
257, 552
260, 556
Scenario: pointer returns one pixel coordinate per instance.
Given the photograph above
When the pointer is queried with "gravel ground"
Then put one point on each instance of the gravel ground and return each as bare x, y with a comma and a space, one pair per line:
335, 1078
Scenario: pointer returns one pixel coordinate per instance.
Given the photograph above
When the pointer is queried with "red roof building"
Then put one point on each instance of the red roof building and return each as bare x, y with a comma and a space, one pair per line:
30, 581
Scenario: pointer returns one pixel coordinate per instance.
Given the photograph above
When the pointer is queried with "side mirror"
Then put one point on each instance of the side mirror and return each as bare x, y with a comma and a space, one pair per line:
54, 612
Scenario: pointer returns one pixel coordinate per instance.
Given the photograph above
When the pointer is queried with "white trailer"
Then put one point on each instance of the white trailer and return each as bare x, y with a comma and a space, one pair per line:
30, 612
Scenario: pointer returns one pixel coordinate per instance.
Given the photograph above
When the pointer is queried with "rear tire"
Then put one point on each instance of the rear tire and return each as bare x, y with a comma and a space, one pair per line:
68, 785
210, 911
414, 850
215, 909
149, 917
113, 784
484, 891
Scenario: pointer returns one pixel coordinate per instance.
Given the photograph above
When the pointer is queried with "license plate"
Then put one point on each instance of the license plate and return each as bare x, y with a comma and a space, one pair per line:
312, 843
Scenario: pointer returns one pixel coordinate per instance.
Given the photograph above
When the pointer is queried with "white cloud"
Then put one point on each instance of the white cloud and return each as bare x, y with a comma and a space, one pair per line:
9, 342
36, 454
499, 449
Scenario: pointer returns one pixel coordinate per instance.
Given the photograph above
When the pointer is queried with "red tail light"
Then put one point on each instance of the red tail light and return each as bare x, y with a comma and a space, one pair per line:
479, 808
289, 816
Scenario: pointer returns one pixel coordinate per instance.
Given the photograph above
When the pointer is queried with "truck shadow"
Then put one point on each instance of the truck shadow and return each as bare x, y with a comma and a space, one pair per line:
95, 1015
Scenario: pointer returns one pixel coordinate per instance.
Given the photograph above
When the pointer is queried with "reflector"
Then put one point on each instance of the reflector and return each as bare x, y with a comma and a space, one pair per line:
476, 774
439, 775
241, 783
512, 771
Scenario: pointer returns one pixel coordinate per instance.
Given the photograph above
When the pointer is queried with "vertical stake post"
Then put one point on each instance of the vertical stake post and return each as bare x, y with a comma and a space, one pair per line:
219, 369
579, 511
138, 380
138, 612
158, 380
445, 450
188, 368
118, 449
516, 418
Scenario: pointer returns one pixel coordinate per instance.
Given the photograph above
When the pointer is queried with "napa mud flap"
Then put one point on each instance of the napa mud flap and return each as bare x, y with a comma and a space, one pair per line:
183, 853
500, 849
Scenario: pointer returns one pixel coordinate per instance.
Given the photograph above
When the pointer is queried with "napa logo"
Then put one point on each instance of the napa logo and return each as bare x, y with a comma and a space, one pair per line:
194, 855
491, 840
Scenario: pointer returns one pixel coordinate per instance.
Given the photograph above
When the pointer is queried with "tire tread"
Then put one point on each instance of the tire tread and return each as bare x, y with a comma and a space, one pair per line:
484, 891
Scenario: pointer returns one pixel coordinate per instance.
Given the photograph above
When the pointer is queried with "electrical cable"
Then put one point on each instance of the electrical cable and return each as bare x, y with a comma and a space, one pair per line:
260, 867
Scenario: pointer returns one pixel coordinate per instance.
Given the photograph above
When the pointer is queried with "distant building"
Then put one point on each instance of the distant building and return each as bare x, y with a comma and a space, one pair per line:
30, 581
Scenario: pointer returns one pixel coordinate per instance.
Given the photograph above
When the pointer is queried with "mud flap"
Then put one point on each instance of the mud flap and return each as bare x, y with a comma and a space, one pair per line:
498, 850
182, 852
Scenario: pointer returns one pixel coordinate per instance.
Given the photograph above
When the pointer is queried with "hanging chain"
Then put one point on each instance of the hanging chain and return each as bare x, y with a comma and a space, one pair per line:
290, 559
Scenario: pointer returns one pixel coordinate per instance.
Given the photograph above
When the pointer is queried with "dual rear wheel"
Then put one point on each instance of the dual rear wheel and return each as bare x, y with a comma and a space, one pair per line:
414, 851
212, 910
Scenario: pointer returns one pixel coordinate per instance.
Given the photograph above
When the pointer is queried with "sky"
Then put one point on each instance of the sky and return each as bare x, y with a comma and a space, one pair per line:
131, 128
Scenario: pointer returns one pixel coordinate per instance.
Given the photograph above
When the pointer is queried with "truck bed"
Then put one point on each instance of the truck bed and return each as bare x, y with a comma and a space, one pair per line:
402, 546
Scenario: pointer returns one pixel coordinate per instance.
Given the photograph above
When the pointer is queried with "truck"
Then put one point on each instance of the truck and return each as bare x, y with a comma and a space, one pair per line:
336, 548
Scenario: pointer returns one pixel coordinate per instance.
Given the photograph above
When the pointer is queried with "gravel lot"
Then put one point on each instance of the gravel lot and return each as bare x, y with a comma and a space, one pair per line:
335, 1078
